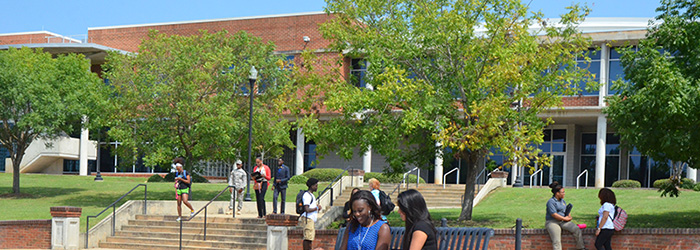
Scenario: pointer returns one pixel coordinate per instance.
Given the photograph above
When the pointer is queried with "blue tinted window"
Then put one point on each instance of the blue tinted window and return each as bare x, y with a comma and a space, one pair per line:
358, 72
593, 67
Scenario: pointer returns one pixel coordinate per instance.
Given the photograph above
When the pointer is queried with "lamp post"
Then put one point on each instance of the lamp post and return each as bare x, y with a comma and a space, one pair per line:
251, 80
98, 177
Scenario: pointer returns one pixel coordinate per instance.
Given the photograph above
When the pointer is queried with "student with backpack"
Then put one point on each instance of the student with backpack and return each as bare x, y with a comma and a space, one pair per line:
607, 212
307, 207
183, 182
383, 200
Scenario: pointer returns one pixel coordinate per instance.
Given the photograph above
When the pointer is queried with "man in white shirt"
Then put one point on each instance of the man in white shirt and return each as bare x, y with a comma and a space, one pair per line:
311, 208
237, 178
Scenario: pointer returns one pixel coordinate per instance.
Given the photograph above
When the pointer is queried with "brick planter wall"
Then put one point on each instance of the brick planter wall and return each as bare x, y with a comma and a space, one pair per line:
638, 238
25, 234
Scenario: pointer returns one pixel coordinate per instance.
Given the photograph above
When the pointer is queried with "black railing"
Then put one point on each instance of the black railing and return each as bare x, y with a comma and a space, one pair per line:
114, 211
403, 180
205, 212
330, 186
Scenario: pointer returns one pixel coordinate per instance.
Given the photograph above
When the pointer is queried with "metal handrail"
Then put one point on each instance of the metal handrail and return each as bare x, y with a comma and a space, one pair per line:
340, 176
578, 178
403, 180
205, 212
478, 187
114, 211
445, 176
534, 175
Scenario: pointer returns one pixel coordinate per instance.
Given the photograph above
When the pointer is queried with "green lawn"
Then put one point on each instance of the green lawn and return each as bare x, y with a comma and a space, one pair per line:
40, 192
646, 209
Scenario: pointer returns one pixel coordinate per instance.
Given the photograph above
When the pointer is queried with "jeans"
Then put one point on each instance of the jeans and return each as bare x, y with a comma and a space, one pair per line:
604, 238
276, 193
554, 228
260, 199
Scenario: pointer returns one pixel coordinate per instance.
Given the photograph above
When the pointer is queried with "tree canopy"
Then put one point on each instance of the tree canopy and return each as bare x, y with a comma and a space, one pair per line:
43, 97
188, 96
658, 108
469, 75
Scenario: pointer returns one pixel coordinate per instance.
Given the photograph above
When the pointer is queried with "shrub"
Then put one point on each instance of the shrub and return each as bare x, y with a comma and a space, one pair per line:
196, 178
383, 178
687, 183
626, 184
298, 179
660, 183
323, 174
156, 178
696, 187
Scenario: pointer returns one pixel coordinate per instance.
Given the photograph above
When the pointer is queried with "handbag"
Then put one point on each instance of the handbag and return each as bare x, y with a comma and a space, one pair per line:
257, 186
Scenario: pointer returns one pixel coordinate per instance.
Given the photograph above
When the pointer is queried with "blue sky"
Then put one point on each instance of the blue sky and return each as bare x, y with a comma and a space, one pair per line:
73, 17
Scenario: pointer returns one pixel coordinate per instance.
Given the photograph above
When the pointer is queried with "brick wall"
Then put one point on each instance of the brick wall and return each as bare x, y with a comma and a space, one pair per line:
27, 234
639, 238
285, 31
578, 101
29, 38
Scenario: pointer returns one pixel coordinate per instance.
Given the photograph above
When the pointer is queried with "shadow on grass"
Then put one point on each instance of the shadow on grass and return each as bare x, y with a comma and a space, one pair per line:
107, 199
684, 219
37, 192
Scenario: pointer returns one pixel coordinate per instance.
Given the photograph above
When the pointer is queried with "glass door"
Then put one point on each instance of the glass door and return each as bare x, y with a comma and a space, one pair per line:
556, 170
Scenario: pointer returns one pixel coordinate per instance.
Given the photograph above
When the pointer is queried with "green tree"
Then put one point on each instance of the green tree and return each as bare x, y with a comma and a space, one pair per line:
658, 108
471, 75
188, 96
42, 97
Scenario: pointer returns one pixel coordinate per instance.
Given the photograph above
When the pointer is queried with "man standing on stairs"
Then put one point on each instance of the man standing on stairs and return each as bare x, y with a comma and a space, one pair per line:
237, 179
307, 220
280, 185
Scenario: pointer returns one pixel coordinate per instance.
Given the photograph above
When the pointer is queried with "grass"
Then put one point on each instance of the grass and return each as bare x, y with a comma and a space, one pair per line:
645, 208
39, 192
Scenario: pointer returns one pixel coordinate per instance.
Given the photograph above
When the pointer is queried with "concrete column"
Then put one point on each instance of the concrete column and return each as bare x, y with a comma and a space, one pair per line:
83, 155
438, 164
367, 160
299, 159
604, 62
692, 174
600, 151
65, 227
278, 226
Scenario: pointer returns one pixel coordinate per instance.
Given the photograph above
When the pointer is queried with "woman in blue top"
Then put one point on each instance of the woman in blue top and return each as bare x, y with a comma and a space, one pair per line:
420, 231
366, 230
556, 220
605, 229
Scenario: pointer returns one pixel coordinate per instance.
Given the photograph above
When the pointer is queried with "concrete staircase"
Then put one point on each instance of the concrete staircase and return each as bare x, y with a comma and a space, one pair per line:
435, 196
155, 232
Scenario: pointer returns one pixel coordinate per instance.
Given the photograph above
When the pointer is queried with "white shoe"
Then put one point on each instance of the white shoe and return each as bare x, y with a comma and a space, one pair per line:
239, 212
191, 213
178, 219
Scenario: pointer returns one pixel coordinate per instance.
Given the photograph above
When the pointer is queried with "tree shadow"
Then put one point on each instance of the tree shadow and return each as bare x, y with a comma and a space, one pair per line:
683, 219
37, 192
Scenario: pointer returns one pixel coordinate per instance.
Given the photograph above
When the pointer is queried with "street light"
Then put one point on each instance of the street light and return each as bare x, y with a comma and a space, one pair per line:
251, 79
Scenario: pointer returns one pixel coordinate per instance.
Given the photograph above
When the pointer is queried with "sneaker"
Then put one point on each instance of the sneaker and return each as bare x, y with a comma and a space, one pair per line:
178, 219
239, 212
192, 213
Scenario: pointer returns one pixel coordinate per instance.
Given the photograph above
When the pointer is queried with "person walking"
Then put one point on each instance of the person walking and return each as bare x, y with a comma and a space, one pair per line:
556, 220
420, 232
307, 219
282, 176
237, 179
183, 182
366, 230
374, 186
605, 229
261, 179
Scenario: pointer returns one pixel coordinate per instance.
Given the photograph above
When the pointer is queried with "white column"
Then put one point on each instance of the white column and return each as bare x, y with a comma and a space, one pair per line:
604, 62
514, 173
438, 164
692, 174
299, 159
82, 155
600, 152
367, 160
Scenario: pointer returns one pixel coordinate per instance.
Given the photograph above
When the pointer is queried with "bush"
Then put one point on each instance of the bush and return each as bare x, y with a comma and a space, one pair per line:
156, 178
196, 178
298, 179
687, 183
660, 183
383, 178
697, 187
323, 174
626, 184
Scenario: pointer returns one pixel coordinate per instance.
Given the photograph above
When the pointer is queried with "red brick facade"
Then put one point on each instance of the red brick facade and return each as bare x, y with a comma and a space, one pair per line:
533, 239
27, 234
286, 32
32, 37
579, 101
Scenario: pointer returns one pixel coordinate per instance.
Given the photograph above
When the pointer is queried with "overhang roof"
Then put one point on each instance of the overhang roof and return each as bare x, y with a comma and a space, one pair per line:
95, 52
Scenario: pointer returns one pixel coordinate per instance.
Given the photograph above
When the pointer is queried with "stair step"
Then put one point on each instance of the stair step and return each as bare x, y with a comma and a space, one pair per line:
196, 230
211, 225
200, 218
198, 236
171, 247
148, 241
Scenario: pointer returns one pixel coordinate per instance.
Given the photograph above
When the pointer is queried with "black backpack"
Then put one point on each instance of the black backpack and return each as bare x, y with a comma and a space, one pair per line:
385, 201
300, 201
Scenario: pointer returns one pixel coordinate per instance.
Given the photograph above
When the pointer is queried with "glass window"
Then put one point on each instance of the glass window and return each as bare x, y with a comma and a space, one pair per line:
4, 153
593, 68
358, 72
309, 156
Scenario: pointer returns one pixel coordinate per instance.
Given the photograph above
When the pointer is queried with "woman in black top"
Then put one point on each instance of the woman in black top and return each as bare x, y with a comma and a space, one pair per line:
420, 231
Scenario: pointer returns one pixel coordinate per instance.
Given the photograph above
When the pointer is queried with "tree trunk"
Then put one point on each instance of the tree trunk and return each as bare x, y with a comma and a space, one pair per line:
16, 160
468, 201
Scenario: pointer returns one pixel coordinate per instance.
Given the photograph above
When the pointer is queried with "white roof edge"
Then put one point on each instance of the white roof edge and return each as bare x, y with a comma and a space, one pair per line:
207, 20
41, 32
